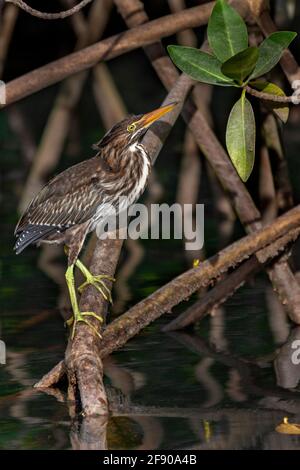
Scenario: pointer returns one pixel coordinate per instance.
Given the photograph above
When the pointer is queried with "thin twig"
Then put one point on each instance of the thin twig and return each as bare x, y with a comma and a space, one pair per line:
49, 16
268, 97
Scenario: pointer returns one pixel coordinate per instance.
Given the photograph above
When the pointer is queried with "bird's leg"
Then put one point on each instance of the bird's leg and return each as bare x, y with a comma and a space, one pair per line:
95, 280
78, 315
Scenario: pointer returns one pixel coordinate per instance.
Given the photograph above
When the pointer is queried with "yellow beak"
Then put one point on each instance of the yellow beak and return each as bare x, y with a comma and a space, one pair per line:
153, 116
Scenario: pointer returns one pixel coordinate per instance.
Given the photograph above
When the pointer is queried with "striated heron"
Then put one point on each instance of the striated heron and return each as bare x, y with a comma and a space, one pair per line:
74, 202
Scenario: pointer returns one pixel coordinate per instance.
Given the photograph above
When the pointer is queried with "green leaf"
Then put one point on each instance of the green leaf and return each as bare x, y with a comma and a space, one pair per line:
280, 109
199, 65
227, 32
270, 51
240, 137
241, 65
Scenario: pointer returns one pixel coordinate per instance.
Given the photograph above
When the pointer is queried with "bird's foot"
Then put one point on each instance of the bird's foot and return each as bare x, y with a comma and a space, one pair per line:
80, 317
98, 282
95, 280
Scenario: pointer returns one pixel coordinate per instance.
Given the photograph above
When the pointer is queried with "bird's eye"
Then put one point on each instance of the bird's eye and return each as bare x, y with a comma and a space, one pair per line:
131, 127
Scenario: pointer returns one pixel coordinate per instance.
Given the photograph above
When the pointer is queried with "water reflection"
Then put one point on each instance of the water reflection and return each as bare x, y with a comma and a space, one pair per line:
185, 394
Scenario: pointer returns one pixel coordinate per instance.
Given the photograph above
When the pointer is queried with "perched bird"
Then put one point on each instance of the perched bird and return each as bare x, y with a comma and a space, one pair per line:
74, 202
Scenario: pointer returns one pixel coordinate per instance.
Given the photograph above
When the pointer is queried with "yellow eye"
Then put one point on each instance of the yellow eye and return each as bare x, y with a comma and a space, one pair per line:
131, 127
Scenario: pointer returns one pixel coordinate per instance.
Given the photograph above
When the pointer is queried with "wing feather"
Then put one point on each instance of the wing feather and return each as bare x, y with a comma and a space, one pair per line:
70, 198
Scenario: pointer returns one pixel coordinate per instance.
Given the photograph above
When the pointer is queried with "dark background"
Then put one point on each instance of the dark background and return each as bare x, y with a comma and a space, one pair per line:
200, 399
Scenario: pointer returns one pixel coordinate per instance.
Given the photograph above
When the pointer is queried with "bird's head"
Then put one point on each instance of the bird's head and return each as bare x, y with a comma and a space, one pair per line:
132, 129
135, 127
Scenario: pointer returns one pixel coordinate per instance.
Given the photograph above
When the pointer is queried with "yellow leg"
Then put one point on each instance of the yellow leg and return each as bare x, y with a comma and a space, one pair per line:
78, 315
95, 280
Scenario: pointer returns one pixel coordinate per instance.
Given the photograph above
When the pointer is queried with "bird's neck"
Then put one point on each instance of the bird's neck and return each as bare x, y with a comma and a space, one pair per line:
127, 173
138, 151
133, 156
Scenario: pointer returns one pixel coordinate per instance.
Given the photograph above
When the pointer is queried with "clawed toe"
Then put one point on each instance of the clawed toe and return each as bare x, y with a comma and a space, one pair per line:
70, 321
80, 318
99, 284
92, 314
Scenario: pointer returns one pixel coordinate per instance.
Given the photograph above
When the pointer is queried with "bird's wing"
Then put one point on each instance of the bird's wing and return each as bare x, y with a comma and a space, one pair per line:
69, 198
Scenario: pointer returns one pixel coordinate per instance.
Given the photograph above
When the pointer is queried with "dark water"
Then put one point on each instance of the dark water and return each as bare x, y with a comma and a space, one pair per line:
213, 388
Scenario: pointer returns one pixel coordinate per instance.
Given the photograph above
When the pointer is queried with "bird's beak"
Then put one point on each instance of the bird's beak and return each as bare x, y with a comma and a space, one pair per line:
153, 116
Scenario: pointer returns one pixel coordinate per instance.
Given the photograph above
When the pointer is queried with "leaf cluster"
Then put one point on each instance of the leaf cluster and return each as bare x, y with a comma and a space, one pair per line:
233, 63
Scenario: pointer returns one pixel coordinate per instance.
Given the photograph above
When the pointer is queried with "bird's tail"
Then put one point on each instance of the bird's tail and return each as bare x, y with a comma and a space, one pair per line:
32, 234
